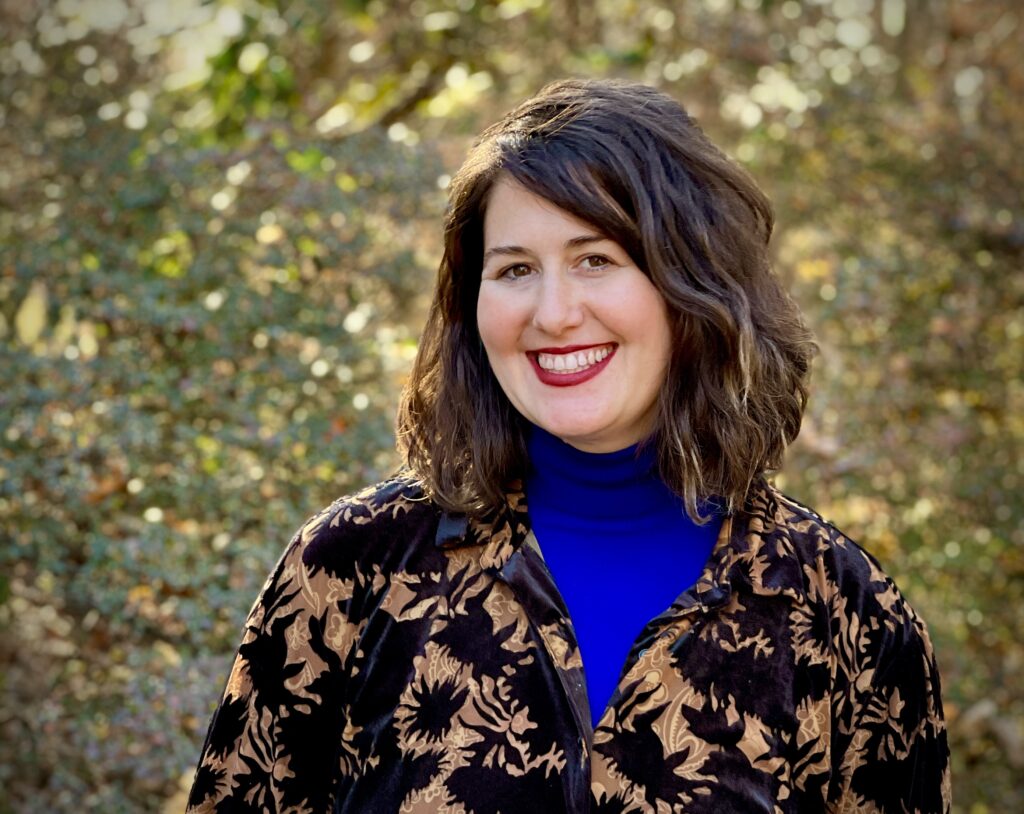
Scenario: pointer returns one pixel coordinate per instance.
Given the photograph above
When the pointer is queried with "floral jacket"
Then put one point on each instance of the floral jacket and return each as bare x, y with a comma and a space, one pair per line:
400, 659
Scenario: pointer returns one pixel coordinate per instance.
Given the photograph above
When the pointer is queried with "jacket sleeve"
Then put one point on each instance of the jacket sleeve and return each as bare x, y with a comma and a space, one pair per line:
889, 735
277, 739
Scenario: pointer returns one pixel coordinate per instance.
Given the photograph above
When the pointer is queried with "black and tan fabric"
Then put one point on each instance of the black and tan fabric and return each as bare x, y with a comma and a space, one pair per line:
402, 660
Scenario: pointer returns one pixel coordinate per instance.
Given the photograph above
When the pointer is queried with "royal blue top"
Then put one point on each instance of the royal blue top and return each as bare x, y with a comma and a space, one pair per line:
618, 543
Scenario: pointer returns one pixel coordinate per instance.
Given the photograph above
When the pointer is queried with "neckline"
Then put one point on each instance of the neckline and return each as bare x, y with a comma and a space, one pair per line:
620, 488
635, 462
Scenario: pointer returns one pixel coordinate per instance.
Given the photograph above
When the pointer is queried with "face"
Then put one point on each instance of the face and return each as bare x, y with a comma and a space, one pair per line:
576, 334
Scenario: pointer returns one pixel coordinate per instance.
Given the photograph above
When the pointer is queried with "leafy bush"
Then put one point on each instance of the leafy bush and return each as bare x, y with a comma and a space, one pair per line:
207, 344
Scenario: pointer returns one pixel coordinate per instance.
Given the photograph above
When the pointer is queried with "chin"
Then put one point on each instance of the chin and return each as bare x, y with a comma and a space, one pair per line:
588, 439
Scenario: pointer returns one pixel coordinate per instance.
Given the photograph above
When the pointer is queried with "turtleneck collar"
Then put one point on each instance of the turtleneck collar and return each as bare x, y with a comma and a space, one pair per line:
613, 487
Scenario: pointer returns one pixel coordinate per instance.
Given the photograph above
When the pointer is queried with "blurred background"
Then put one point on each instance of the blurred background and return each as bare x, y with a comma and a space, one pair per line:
219, 223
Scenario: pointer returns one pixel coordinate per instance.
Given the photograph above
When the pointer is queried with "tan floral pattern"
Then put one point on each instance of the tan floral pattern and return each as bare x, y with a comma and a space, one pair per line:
402, 660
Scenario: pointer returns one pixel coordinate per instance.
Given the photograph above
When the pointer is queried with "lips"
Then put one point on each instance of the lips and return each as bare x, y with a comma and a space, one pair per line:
569, 366
572, 362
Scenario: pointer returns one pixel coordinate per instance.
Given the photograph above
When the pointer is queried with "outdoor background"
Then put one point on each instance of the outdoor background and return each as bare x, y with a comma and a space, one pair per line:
218, 227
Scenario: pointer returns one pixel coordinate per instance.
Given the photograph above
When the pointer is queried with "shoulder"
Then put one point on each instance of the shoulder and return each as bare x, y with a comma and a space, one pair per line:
394, 512
842, 567
871, 619
794, 543
352, 545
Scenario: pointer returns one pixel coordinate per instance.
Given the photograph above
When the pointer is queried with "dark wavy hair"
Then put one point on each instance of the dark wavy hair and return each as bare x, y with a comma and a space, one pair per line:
630, 161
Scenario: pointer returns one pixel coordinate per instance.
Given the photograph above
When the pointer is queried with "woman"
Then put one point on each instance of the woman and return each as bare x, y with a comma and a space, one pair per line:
608, 371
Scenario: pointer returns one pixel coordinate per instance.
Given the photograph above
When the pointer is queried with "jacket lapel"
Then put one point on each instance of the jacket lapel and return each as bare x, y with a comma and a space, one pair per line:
508, 555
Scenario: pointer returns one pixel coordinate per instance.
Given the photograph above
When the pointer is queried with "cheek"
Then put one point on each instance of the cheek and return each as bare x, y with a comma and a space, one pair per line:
496, 322
485, 322
664, 331
643, 316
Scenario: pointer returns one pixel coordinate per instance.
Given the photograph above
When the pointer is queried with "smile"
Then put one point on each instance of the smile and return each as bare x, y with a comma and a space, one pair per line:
570, 366
573, 362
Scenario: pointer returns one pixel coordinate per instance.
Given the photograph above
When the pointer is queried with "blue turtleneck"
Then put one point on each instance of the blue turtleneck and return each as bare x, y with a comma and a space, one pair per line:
618, 543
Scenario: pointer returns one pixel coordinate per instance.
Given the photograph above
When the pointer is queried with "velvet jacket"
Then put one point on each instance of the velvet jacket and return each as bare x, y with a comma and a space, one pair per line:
399, 659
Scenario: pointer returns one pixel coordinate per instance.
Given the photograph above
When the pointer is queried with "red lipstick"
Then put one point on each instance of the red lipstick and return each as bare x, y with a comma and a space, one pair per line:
562, 379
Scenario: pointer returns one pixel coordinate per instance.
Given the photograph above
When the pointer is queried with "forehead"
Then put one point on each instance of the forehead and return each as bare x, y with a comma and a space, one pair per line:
514, 216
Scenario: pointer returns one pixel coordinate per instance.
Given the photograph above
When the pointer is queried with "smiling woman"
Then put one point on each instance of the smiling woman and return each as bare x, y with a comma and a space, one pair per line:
576, 334
582, 593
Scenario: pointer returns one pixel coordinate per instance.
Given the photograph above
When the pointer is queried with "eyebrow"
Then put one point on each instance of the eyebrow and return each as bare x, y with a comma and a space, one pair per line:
571, 243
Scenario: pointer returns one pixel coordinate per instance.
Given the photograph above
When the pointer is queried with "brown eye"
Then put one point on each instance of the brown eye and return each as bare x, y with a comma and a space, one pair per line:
516, 271
595, 262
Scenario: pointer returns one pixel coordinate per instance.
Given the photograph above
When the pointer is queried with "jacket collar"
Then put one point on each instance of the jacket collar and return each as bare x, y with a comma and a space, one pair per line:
754, 549
500, 532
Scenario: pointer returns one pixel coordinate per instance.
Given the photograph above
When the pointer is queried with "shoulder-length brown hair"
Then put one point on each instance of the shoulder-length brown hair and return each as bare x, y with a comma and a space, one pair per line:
630, 161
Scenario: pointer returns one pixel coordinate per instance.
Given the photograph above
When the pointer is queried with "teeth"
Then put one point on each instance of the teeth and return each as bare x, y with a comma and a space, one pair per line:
572, 362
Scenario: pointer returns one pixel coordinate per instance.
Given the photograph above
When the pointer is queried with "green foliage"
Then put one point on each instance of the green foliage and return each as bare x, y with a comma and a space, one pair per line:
207, 341
217, 229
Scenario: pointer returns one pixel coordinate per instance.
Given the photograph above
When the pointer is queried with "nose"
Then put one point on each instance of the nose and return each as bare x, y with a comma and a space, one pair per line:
559, 305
